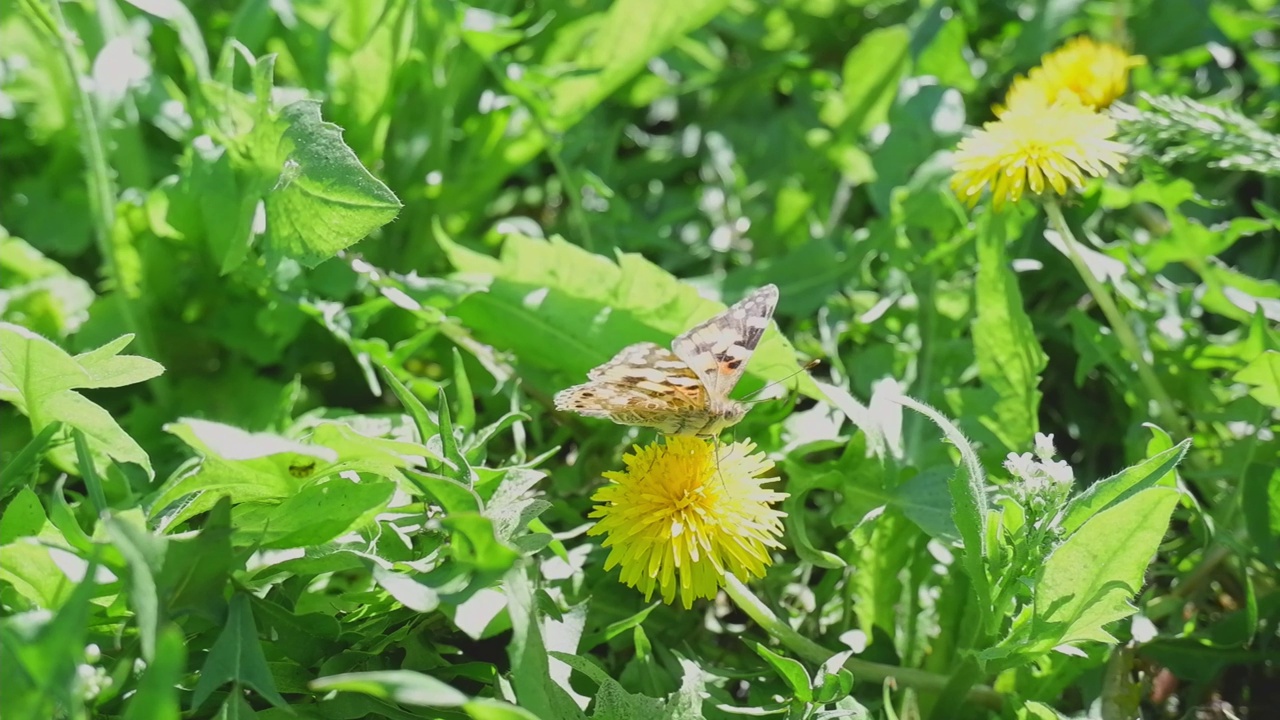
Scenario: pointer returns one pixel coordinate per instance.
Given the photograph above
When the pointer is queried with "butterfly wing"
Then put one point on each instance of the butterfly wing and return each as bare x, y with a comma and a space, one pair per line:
718, 350
644, 384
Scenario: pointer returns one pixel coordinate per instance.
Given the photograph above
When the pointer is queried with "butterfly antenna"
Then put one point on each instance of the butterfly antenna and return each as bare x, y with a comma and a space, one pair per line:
808, 366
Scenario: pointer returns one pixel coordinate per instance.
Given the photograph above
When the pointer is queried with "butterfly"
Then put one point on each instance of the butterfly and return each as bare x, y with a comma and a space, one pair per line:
684, 390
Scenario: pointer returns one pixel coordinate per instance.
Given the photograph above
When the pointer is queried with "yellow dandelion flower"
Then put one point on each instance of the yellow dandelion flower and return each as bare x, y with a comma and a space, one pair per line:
1036, 147
1096, 73
685, 512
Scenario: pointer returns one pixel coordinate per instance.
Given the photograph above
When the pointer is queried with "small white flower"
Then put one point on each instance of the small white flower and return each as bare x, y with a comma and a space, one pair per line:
1020, 466
1044, 446
1059, 471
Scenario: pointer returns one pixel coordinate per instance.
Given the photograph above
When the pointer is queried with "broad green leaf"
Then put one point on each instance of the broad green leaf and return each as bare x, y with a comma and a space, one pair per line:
236, 657
560, 307
32, 369
402, 686
315, 515
1088, 580
925, 500
323, 199
26, 559
38, 377
791, 671
1263, 375
248, 467
317, 199
1009, 357
22, 466
157, 695
1124, 484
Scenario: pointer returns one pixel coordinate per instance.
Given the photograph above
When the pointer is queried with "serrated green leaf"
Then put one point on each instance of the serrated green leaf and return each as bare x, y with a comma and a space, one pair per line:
1088, 580
1106, 493
323, 199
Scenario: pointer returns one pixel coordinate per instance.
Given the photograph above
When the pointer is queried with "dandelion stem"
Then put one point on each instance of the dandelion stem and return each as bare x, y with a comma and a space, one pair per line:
864, 670
1164, 403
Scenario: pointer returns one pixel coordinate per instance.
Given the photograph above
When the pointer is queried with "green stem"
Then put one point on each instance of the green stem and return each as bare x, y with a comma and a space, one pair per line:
873, 672
102, 193
1128, 341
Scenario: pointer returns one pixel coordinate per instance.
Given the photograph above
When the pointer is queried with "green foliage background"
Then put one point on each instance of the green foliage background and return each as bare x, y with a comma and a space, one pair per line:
287, 287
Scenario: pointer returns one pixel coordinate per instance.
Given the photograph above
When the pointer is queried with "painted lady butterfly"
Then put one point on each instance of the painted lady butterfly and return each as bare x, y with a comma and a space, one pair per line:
684, 390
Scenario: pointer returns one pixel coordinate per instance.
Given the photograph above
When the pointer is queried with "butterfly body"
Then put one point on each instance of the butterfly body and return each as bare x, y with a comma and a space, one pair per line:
684, 390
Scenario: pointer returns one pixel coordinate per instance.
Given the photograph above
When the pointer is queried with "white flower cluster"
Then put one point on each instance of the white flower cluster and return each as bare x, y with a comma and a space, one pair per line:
1040, 473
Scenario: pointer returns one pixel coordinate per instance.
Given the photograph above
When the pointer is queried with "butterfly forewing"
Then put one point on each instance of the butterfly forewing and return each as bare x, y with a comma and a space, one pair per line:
719, 349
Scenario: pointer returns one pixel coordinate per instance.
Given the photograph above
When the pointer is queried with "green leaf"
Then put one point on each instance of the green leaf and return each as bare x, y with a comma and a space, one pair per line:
157, 695
1263, 375
402, 686
872, 71
323, 199
625, 38
236, 657
38, 377
427, 428
456, 465
108, 368
1124, 484
791, 671
245, 466
144, 553
558, 306
530, 667
23, 465
1088, 580
474, 543
1009, 357
314, 516
1260, 500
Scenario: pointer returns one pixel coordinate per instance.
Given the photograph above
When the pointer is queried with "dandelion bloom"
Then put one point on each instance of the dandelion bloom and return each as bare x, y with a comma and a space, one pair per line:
679, 517
1096, 73
1036, 146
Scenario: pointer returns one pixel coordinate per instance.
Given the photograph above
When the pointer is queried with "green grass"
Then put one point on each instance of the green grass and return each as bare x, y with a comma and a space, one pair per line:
287, 289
